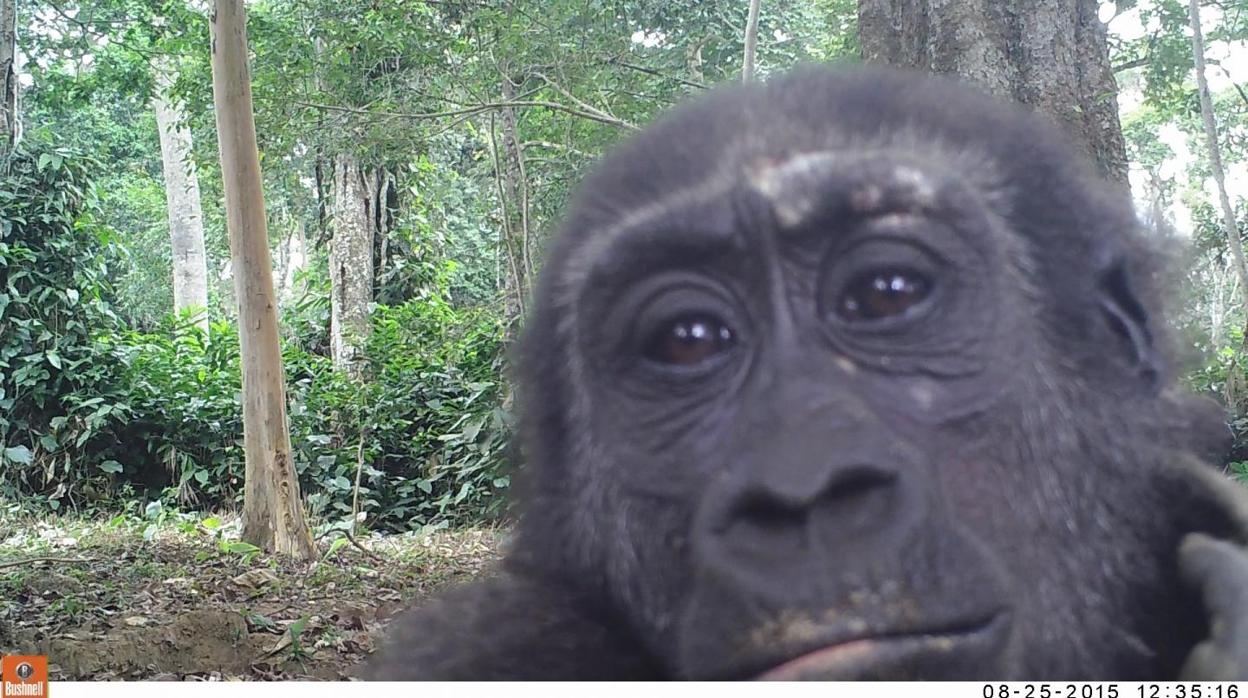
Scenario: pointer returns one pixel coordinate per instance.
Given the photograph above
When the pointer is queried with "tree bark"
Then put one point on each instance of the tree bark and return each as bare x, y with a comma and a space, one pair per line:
273, 516
9, 124
350, 264
1215, 153
1049, 54
186, 220
751, 41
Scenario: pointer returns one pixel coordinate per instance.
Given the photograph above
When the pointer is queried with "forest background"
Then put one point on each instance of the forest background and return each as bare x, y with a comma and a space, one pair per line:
416, 156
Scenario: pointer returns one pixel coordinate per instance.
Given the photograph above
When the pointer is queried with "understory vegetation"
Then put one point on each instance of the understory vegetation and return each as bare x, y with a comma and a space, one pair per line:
94, 413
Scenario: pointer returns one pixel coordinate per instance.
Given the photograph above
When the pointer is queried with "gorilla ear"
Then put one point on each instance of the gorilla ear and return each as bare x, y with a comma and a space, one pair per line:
1128, 320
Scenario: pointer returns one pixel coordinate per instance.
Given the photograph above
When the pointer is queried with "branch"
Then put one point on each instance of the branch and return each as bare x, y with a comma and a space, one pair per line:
658, 73
366, 551
32, 560
1231, 79
555, 146
595, 115
1137, 63
584, 106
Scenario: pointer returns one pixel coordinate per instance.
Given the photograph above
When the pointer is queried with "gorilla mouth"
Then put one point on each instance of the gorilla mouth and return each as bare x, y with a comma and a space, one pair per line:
958, 650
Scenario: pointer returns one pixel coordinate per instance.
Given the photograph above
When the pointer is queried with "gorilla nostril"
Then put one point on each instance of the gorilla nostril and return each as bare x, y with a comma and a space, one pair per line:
766, 526
859, 499
855, 482
767, 514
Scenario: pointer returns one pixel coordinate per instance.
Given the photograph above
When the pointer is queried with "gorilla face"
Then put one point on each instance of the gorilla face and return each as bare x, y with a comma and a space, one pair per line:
859, 376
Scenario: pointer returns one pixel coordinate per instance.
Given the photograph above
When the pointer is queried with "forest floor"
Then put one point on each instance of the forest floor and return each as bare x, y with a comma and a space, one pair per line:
177, 597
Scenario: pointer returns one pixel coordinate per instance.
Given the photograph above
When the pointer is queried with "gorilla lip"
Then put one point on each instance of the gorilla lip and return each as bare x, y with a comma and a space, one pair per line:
902, 656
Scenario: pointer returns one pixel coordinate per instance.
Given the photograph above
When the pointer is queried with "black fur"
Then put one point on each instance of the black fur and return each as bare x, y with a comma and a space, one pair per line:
995, 485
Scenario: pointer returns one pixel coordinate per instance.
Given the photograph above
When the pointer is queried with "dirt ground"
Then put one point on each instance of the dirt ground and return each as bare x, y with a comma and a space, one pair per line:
180, 600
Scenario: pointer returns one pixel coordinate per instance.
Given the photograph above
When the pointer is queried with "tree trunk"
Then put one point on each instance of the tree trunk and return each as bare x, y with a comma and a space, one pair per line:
1049, 54
294, 258
514, 198
751, 41
350, 264
1215, 154
272, 506
9, 124
186, 220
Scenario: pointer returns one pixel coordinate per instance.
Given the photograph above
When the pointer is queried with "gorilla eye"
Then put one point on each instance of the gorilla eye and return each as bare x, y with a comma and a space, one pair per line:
882, 293
689, 340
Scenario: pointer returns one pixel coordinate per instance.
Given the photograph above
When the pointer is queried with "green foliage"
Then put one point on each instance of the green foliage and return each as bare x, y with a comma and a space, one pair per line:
54, 261
426, 428
91, 411
1239, 470
133, 204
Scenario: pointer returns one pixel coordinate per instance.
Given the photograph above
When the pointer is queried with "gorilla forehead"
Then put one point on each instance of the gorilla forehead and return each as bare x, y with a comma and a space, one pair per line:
909, 125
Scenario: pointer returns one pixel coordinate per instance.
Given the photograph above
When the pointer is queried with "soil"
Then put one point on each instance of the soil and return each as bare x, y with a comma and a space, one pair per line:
187, 605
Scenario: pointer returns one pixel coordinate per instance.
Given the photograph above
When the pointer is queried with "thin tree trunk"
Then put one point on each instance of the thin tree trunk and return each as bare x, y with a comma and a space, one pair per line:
518, 187
296, 257
513, 196
383, 219
9, 124
694, 61
1049, 54
509, 276
350, 264
1215, 154
273, 516
186, 220
751, 41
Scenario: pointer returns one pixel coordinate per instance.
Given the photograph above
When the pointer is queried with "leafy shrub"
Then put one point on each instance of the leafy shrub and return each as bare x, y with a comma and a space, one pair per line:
54, 406
1224, 376
427, 429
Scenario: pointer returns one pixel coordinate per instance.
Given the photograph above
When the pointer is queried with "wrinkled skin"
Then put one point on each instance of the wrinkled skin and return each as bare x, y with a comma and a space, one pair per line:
853, 375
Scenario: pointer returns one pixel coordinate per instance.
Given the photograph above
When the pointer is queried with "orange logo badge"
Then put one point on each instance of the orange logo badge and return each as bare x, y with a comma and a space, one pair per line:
24, 677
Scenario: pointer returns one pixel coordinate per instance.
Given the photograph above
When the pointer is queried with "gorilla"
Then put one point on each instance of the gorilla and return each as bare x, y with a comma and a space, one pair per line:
855, 374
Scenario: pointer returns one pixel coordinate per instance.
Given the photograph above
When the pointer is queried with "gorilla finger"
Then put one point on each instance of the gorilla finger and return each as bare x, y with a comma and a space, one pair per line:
1211, 662
1220, 570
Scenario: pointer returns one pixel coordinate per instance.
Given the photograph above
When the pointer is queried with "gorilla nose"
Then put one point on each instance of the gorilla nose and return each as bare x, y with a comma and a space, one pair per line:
778, 524
852, 500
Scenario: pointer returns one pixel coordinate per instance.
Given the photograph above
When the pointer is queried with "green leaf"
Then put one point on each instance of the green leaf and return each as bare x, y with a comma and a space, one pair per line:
296, 628
54, 359
111, 466
334, 546
238, 547
19, 454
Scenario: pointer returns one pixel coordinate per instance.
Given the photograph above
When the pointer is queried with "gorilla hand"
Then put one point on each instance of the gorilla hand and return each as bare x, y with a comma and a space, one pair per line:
1218, 570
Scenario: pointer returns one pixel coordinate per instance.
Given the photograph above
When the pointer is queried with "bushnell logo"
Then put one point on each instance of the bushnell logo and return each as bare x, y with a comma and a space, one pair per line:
24, 677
